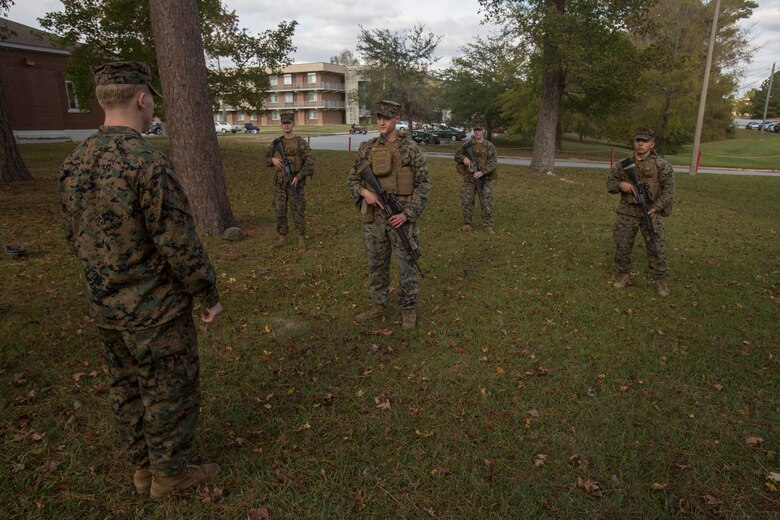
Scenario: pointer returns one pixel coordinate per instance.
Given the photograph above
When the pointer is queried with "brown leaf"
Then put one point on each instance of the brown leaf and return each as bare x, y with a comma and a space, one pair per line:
431, 512
383, 332
77, 377
657, 486
539, 460
258, 513
499, 370
533, 413
754, 441
590, 486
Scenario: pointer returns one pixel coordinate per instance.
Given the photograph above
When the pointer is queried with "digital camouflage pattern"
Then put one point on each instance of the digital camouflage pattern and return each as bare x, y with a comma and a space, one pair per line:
125, 73
379, 237
155, 392
485, 153
128, 222
659, 175
298, 151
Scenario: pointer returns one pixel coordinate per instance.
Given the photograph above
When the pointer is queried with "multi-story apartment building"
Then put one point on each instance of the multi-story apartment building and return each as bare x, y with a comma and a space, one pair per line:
317, 93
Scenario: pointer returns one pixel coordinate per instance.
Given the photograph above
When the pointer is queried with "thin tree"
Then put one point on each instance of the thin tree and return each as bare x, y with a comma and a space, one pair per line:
12, 167
194, 151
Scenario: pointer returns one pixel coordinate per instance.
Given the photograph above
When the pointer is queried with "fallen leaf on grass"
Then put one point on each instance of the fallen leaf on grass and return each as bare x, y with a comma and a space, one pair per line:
383, 405
539, 460
657, 486
754, 441
431, 512
423, 434
499, 370
590, 486
258, 513
383, 332
774, 477
711, 500
533, 413
306, 426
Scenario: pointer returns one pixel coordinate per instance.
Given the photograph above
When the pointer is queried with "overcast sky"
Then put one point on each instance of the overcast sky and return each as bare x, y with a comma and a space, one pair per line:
327, 28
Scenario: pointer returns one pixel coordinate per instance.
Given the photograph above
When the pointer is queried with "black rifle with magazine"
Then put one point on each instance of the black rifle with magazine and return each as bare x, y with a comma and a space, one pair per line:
392, 206
475, 167
642, 195
287, 166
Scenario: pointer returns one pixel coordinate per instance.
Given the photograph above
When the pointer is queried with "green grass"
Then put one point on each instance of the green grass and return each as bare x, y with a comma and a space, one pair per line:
523, 349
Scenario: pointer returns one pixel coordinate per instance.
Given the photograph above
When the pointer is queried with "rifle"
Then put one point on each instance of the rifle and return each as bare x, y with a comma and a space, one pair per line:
287, 166
475, 167
642, 195
392, 206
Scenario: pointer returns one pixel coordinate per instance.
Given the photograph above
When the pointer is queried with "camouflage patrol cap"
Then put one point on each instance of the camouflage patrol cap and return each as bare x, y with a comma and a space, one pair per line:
287, 117
647, 134
388, 108
477, 124
125, 73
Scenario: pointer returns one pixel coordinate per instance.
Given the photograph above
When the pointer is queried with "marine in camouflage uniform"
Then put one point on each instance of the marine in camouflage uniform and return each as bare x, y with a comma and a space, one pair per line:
658, 174
480, 182
401, 169
297, 151
128, 221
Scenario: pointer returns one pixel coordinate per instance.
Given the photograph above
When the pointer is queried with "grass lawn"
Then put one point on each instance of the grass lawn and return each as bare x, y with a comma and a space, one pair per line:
530, 389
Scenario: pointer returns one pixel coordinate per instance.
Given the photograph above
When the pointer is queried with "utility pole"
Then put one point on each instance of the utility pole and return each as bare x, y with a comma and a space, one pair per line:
766, 103
703, 100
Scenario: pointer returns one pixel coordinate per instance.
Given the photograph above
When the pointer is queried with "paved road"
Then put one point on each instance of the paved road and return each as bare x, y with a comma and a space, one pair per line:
352, 142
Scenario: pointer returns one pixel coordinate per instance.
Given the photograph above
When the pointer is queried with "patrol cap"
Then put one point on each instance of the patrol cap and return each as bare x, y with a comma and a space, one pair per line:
125, 73
477, 125
388, 108
287, 117
648, 134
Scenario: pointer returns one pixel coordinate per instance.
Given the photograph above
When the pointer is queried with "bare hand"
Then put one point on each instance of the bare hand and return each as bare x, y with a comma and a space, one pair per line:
294, 182
477, 175
397, 220
210, 315
277, 163
651, 212
626, 187
466, 162
371, 198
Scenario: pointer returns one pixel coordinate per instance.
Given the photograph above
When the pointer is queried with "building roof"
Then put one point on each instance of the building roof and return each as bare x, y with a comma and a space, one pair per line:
26, 37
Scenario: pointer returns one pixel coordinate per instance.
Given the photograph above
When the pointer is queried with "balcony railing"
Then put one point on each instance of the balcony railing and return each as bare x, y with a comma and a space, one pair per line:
322, 103
321, 85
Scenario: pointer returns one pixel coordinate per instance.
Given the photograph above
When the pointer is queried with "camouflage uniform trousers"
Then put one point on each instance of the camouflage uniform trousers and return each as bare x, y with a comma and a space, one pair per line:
624, 233
380, 239
468, 194
297, 200
155, 391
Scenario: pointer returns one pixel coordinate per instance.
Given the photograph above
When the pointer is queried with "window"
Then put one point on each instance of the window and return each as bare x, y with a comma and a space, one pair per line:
312, 96
240, 116
288, 97
312, 114
273, 80
312, 77
274, 97
288, 79
73, 102
274, 115
253, 117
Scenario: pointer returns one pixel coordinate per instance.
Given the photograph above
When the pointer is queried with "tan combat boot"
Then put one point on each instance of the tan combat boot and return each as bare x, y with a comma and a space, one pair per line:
490, 230
376, 311
142, 480
301, 244
662, 288
191, 477
280, 241
621, 280
409, 319
466, 227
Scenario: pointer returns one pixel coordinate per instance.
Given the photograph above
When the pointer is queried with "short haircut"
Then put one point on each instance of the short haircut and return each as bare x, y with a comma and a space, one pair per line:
111, 96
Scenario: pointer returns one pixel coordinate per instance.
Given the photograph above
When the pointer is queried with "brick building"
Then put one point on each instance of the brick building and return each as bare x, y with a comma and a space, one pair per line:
317, 93
41, 102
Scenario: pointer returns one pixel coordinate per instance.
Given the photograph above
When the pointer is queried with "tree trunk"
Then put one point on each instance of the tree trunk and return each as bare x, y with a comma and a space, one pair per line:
543, 160
190, 121
12, 168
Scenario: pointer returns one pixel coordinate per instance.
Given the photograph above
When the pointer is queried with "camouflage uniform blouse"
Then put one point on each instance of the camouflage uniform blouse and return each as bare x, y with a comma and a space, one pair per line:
128, 221
410, 156
656, 172
489, 165
302, 158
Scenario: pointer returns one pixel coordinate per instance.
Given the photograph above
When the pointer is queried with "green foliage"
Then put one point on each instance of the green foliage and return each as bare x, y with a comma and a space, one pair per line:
474, 84
523, 349
345, 58
398, 67
97, 30
758, 99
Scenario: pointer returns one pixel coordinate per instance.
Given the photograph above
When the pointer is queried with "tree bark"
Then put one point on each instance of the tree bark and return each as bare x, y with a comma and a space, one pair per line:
543, 159
190, 123
12, 167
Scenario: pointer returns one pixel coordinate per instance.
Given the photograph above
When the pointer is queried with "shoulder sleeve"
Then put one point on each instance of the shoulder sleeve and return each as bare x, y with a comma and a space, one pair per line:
666, 180
354, 182
461, 153
491, 164
307, 156
422, 184
613, 181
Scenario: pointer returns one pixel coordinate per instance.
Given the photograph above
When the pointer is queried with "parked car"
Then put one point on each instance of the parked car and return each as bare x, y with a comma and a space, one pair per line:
499, 130
753, 125
402, 125
776, 128
768, 125
155, 129
423, 137
448, 132
249, 128
223, 127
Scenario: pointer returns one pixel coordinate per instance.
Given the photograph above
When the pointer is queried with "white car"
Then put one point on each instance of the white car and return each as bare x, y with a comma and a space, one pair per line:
402, 125
223, 127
